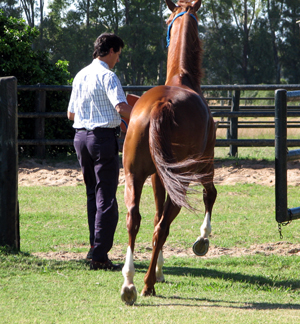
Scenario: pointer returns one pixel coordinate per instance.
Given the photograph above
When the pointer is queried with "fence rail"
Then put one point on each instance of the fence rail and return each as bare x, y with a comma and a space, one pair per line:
232, 111
243, 87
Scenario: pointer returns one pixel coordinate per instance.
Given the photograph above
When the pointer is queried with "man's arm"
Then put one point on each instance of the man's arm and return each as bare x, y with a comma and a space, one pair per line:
71, 115
123, 109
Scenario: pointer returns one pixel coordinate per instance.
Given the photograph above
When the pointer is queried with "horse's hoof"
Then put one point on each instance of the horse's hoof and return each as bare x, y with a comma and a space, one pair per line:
148, 292
160, 278
201, 246
129, 295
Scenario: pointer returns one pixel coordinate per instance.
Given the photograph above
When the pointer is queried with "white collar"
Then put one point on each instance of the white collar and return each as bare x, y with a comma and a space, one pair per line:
104, 64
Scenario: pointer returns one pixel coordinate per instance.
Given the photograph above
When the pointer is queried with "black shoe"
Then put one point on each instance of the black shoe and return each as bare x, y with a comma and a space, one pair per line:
108, 265
90, 254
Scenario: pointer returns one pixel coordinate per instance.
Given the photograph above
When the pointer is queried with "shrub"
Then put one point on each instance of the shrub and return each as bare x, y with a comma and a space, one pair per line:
18, 58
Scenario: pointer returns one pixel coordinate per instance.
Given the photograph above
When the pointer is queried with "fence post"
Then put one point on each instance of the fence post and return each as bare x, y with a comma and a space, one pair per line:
281, 155
9, 211
229, 119
233, 126
40, 106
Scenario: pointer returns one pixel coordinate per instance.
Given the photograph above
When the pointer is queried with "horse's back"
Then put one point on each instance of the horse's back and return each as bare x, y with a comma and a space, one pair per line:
192, 120
188, 106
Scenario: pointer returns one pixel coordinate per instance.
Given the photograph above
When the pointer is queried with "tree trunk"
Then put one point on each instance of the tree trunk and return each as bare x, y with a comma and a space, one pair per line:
116, 27
41, 24
246, 44
273, 21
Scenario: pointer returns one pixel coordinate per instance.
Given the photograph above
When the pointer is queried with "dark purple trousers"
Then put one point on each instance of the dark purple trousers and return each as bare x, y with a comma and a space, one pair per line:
97, 153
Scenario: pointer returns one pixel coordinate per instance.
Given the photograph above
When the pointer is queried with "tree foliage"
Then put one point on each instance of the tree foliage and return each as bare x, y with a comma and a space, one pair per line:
245, 41
71, 32
30, 67
11, 8
145, 50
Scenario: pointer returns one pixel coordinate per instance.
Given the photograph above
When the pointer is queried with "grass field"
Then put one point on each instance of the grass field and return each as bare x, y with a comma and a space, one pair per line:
246, 289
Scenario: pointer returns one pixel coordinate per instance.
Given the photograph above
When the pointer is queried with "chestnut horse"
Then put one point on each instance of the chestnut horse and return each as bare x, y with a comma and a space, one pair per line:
171, 136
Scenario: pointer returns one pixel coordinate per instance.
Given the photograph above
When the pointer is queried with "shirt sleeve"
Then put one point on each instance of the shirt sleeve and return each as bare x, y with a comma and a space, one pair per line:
71, 107
114, 90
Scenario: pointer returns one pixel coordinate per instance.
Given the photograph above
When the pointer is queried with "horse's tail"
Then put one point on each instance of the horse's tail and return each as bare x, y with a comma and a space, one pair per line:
175, 175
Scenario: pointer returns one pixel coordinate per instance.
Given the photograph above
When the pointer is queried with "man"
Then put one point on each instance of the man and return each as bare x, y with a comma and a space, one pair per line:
96, 104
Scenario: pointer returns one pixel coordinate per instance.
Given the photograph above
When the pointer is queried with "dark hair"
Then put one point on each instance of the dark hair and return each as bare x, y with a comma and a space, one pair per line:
105, 42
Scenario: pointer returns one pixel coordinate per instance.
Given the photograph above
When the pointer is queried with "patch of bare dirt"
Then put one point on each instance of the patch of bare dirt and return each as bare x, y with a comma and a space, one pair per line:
32, 172
144, 253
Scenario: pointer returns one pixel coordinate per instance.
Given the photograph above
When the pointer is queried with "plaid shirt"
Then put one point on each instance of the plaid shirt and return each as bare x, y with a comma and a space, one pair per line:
96, 92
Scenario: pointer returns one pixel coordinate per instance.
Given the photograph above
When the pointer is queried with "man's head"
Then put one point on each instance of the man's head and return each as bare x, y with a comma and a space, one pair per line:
105, 42
107, 48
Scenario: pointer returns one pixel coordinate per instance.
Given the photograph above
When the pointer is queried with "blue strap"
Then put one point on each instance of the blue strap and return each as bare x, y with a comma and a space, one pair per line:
170, 26
124, 122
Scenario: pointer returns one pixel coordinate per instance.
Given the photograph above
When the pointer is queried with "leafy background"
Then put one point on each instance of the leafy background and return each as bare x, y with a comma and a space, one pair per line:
245, 42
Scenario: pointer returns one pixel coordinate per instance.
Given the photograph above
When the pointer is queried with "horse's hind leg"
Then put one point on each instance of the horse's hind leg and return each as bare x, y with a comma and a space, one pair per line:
201, 245
159, 196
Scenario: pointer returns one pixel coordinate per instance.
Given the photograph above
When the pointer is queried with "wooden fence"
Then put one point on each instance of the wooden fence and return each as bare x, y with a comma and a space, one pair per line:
228, 109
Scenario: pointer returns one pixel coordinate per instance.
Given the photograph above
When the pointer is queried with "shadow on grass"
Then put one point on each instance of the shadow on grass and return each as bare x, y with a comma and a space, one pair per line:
232, 276
17, 260
25, 260
261, 281
8, 250
219, 303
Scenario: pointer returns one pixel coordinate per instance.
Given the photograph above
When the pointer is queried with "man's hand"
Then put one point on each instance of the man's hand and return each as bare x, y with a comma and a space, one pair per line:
71, 115
123, 109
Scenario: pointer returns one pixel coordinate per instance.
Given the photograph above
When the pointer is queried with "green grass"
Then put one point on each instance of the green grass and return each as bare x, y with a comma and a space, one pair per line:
54, 218
254, 289
246, 153
247, 289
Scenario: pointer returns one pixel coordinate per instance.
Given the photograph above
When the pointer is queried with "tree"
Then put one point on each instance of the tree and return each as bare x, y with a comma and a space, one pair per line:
262, 66
290, 47
273, 10
244, 13
18, 59
29, 10
69, 34
244, 37
142, 31
10, 8
222, 45
245, 41
222, 59
138, 23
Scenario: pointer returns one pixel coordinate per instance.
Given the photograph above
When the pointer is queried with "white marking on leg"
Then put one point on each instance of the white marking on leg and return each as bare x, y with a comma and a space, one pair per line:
159, 273
128, 291
128, 268
205, 228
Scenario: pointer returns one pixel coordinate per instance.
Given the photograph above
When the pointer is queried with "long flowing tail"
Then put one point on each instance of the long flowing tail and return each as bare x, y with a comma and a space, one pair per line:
175, 175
